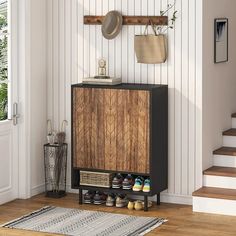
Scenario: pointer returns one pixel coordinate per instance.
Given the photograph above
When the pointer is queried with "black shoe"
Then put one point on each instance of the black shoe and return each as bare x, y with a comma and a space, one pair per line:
99, 198
128, 182
117, 181
88, 197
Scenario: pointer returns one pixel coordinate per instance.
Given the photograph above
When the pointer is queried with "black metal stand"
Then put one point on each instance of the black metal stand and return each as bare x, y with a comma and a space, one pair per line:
80, 196
158, 199
145, 203
117, 191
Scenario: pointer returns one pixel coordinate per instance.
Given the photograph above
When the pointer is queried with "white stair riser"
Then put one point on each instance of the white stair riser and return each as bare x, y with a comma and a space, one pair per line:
225, 161
234, 123
219, 181
214, 206
229, 141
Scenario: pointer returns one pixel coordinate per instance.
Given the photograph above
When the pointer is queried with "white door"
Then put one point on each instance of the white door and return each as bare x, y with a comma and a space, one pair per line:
8, 102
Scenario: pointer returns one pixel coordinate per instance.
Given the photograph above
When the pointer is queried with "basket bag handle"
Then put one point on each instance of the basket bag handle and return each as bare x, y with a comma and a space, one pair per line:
150, 22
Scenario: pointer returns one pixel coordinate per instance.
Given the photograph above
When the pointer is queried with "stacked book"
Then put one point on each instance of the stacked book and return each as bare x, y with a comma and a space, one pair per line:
102, 80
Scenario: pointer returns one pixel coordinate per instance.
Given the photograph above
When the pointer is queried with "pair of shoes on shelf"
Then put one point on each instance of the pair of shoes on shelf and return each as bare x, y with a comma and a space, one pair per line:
119, 181
142, 185
137, 205
119, 201
95, 197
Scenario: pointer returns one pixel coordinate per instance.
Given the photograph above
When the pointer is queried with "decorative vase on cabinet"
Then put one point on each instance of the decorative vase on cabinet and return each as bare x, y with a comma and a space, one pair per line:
121, 129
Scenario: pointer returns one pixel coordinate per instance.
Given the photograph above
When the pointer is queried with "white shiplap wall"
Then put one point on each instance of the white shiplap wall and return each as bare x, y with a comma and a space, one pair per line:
73, 51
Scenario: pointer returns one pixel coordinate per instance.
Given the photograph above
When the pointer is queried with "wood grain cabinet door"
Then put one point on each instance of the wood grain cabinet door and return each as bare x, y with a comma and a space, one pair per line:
111, 129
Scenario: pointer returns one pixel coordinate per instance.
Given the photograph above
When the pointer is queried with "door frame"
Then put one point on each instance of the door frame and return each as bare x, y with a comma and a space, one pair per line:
24, 65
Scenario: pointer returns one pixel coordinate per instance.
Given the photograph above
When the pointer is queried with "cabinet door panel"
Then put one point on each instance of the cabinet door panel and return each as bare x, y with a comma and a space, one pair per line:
111, 129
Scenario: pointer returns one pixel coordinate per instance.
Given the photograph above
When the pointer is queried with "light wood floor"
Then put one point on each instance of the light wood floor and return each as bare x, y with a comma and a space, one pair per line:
182, 221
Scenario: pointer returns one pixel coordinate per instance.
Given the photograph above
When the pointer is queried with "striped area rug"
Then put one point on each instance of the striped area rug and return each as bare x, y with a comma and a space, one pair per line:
78, 222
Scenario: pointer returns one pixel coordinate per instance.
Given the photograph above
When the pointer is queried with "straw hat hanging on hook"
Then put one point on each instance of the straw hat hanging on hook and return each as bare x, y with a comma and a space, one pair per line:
112, 24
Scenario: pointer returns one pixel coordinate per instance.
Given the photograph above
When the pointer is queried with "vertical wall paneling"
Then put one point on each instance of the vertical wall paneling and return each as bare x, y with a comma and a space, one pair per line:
74, 42
80, 32
56, 68
157, 72
130, 40
192, 96
164, 66
171, 101
124, 71
151, 67
62, 59
178, 100
69, 66
50, 57
118, 46
185, 96
92, 41
198, 103
111, 45
86, 42
73, 52
137, 12
144, 67
99, 41
105, 8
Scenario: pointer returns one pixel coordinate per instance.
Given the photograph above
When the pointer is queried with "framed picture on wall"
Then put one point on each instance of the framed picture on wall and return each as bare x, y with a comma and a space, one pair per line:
221, 40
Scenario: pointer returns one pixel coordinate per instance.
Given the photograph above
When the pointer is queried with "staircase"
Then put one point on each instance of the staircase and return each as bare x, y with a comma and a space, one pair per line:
218, 195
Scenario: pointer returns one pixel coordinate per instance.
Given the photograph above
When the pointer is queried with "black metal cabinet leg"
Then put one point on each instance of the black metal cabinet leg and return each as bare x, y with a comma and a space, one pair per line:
145, 203
158, 199
80, 196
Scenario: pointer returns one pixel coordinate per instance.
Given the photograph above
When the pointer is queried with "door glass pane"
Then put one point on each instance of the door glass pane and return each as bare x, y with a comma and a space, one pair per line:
3, 60
3, 15
3, 101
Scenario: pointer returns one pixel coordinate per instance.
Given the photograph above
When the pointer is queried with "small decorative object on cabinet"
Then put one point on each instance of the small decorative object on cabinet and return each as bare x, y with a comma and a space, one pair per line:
121, 129
55, 163
102, 78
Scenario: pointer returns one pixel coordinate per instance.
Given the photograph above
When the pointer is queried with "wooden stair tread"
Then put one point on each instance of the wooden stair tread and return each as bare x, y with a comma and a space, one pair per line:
220, 193
230, 132
221, 171
228, 151
234, 115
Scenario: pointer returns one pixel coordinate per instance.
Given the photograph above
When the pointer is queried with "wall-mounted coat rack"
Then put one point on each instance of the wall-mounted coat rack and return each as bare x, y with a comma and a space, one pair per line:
129, 20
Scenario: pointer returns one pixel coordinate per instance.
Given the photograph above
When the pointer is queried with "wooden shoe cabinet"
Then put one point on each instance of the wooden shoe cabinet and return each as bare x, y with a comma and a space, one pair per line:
120, 129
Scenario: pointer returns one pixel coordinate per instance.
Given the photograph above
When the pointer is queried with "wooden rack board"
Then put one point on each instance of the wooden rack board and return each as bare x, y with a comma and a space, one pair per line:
129, 20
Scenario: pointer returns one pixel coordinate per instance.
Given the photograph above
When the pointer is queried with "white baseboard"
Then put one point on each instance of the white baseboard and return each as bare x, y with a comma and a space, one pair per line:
70, 190
214, 206
5, 196
37, 189
177, 199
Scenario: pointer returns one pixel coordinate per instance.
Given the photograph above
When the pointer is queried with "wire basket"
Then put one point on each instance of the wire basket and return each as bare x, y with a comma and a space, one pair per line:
55, 164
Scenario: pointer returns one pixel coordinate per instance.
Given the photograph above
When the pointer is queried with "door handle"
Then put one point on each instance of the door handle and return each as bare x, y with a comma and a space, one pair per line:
15, 115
